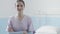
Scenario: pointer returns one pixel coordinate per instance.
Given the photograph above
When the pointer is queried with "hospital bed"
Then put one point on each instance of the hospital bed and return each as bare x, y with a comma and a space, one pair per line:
43, 30
48, 30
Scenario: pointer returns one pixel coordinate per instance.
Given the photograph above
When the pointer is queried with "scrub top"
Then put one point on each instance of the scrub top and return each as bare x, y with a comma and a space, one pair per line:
24, 25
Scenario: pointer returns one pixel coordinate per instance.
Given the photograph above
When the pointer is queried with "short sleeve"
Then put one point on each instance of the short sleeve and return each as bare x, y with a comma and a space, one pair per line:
30, 25
9, 25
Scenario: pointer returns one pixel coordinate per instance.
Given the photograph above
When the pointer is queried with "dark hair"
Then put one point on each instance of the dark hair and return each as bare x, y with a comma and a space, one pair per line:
21, 1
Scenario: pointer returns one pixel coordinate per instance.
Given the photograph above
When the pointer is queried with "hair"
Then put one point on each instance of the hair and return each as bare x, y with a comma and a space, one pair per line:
21, 1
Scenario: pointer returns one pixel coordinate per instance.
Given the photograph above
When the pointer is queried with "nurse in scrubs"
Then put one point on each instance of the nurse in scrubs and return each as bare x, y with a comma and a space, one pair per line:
20, 22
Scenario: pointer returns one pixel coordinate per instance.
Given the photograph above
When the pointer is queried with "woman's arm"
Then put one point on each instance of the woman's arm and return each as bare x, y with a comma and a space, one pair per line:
30, 26
10, 26
9, 29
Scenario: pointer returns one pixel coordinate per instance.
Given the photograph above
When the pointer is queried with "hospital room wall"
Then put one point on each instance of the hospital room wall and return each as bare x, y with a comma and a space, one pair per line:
48, 11
36, 8
33, 7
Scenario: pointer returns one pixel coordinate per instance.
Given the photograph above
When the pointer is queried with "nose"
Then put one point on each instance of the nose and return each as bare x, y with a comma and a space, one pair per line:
19, 7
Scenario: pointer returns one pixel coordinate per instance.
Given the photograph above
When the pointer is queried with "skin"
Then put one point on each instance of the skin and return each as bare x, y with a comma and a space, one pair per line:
20, 10
20, 7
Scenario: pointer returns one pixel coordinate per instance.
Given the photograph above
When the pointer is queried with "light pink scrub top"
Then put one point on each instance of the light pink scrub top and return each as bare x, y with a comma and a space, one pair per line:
24, 25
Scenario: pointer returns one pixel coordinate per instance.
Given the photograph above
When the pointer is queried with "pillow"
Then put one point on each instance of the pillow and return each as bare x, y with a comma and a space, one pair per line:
46, 30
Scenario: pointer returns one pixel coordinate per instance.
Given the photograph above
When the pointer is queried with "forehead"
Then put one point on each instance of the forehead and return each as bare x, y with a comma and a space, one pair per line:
19, 3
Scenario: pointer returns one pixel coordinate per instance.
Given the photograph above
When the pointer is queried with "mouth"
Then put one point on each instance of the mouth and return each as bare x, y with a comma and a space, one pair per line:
19, 9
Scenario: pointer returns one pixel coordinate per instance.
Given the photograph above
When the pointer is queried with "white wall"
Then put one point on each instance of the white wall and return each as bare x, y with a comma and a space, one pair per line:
33, 8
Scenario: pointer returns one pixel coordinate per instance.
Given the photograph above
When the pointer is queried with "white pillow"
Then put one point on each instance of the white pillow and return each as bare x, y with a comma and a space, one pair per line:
46, 30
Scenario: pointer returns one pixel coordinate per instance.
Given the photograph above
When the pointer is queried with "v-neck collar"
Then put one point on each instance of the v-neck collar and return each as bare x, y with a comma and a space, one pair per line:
20, 20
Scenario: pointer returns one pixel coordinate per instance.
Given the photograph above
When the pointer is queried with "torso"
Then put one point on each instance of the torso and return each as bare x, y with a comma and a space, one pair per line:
20, 25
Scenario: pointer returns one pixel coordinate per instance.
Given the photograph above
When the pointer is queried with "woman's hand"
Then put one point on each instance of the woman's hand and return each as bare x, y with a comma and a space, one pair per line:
10, 29
24, 32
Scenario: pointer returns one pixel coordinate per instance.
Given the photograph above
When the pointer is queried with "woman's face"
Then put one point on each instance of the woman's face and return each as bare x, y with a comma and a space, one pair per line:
20, 6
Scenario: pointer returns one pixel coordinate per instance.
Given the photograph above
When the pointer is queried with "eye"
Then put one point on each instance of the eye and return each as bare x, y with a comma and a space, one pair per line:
17, 5
21, 5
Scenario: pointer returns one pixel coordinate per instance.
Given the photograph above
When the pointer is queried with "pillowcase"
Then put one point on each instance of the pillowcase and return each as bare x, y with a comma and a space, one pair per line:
47, 30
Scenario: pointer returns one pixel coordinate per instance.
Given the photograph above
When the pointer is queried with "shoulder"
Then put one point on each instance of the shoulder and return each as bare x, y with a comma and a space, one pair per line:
11, 18
28, 17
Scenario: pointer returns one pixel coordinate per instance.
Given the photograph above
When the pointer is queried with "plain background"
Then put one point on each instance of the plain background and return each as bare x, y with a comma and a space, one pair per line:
51, 8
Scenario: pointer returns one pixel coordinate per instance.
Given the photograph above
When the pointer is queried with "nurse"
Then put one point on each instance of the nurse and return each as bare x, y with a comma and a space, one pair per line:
20, 22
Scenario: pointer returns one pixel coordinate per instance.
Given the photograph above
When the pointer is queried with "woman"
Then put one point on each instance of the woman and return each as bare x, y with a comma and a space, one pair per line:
20, 22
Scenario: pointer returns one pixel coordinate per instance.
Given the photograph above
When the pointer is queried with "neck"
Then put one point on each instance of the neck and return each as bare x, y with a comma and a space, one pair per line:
20, 14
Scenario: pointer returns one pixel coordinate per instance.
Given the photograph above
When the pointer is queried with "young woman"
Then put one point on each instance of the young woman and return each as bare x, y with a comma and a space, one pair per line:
20, 22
